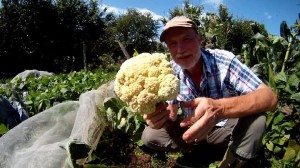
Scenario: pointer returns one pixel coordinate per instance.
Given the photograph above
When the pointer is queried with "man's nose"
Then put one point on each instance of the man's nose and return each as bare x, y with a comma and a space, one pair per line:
180, 48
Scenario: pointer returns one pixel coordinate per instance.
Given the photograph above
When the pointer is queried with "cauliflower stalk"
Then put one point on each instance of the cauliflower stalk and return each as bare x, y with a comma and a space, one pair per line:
145, 80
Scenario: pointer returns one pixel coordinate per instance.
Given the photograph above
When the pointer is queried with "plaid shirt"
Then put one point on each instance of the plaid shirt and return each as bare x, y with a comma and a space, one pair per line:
223, 76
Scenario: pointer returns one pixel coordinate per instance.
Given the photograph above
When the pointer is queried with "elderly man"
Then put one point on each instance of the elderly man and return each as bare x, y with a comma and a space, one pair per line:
223, 101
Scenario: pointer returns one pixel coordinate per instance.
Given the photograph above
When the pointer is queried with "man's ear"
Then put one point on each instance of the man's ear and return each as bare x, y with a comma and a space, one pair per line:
199, 38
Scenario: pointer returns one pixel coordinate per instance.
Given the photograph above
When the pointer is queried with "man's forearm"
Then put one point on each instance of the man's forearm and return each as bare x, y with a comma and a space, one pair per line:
260, 100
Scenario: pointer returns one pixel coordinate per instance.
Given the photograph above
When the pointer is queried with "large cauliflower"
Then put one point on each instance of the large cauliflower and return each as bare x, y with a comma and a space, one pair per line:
145, 80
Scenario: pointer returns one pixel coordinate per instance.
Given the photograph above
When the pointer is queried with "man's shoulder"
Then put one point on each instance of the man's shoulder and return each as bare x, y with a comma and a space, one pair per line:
218, 53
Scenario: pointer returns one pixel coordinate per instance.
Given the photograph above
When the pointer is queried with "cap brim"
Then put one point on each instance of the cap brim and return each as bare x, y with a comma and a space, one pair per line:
179, 21
164, 33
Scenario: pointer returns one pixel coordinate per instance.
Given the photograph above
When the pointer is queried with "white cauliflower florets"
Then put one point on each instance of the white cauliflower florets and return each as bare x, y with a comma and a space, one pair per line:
145, 80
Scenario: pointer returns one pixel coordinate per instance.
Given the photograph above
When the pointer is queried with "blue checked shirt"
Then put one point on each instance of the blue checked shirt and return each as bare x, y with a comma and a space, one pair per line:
224, 76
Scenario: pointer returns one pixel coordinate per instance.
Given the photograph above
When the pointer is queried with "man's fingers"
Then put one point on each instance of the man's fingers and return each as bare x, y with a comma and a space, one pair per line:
188, 121
173, 112
159, 108
159, 120
192, 103
199, 129
197, 114
194, 133
159, 123
156, 115
161, 105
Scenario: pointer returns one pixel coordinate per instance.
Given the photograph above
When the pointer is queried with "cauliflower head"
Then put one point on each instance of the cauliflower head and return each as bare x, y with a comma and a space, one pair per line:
145, 80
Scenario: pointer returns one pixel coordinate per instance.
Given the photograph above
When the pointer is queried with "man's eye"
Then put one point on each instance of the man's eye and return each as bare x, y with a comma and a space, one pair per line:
187, 39
171, 43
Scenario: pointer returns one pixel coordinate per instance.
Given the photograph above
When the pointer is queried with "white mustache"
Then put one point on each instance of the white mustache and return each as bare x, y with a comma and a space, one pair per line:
182, 55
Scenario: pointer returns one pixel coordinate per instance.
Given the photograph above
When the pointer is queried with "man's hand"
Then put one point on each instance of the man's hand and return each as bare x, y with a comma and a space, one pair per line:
162, 114
206, 115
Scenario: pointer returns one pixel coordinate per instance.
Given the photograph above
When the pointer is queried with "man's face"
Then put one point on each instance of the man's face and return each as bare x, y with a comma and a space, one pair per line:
184, 45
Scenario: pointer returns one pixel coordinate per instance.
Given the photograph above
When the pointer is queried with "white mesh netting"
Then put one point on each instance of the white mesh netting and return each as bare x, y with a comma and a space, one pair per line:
43, 140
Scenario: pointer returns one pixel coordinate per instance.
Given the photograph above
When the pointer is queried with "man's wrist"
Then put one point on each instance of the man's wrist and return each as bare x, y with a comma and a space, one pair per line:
219, 110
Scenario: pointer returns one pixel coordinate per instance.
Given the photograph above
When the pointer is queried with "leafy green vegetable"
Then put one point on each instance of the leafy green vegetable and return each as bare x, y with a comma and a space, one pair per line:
77, 151
122, 118
3, 129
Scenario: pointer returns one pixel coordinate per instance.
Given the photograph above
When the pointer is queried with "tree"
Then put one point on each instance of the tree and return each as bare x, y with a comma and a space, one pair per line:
81, 23
48, 35
26, 33
193, 12
136, 31
219, 30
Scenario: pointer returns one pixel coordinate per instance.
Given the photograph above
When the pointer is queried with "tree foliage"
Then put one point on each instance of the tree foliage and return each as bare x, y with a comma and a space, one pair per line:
219, 30
277, 59
56, 35
48, 35
135, 30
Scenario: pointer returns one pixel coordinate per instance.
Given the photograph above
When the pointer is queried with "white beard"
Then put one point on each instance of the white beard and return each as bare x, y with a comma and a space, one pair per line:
190, 64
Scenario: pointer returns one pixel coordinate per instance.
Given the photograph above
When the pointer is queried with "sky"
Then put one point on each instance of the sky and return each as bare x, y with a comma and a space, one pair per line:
268, 12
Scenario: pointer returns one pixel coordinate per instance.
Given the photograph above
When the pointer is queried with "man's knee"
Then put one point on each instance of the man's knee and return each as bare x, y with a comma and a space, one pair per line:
252, 125
147, 137
257, 125
247, 136
155, 138
158, 139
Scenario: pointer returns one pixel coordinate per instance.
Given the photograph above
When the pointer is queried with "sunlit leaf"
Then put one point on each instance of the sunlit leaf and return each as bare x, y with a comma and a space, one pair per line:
284, 139
296, 54
122, 123
140, 143
63, 90
296, 96
270, 146
119, 115
110, 114
258, 36
3, 129
270, 116
294, 80
136, 53
275, 127
28, 102
40, 106
288, 125
258, 68
281, 76
298, 156
274, 135
278, 118
291, 151
277, 149
288, 89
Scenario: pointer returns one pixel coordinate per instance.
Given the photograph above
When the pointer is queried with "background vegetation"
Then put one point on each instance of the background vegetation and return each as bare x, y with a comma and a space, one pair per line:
67, 35
80, 44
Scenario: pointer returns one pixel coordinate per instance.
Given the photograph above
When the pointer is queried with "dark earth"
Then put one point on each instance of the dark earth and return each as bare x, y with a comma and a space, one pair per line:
119, 151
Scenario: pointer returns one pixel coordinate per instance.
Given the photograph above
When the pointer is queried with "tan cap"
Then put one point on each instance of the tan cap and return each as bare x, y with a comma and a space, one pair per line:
178, 21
